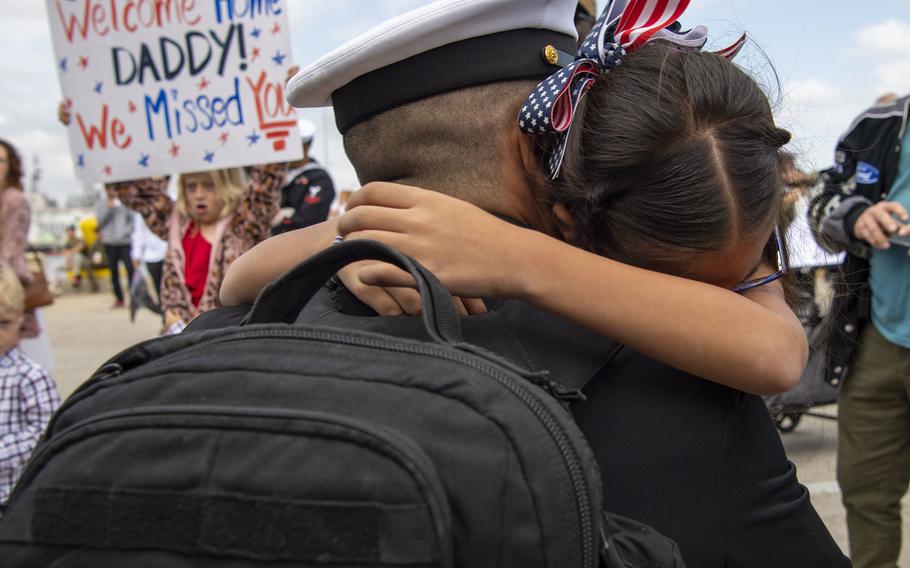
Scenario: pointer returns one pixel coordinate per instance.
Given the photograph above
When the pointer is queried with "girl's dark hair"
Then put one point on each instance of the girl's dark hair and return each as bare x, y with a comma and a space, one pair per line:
14, 173
673, 153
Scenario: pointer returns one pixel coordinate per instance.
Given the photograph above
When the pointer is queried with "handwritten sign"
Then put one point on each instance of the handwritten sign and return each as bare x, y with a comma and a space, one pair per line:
170, 86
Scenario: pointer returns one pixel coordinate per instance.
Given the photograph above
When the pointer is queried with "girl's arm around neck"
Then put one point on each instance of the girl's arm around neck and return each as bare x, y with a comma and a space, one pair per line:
271, 258
751, 342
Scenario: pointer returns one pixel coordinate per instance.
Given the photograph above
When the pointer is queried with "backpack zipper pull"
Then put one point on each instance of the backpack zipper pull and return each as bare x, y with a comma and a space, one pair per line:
555, 389
541, 379
108, 371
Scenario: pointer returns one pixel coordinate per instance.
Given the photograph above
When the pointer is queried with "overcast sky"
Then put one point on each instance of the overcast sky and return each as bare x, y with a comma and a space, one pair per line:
832, 58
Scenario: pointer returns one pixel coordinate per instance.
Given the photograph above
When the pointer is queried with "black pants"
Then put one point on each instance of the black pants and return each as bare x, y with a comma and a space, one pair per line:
155, 270
117, 254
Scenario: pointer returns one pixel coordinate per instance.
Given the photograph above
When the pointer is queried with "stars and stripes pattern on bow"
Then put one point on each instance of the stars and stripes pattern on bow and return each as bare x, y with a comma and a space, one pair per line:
551, 106
642, 19
731, 51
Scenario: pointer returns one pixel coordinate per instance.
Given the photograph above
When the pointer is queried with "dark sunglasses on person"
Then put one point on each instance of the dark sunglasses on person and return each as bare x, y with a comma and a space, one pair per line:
781, 268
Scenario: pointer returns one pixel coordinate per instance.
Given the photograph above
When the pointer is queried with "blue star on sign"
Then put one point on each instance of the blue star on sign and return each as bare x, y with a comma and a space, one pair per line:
209, 156
63, 64
279, 58
98, 86
144, 160
253, 138
80, 161
255, 33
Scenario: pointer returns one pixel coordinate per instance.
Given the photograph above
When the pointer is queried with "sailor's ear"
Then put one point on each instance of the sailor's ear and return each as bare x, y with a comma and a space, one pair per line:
527, 151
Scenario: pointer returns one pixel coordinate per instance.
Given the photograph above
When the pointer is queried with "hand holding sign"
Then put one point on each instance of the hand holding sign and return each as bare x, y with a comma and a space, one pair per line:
168, 87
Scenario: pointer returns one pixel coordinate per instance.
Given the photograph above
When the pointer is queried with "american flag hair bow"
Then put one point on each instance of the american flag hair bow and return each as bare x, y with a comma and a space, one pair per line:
731, 51
624, 25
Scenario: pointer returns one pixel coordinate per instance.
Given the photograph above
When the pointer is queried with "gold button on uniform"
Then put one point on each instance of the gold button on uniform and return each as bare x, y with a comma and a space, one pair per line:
550, 55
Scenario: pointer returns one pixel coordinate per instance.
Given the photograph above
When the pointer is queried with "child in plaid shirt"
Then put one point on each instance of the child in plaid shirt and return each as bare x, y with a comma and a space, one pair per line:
28, 396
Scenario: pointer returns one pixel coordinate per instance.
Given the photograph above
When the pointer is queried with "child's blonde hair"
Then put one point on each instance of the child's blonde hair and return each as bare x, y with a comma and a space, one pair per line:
230, 183
12, 296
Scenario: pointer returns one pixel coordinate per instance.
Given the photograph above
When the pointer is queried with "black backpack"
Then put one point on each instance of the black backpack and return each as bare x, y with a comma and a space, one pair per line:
304, 445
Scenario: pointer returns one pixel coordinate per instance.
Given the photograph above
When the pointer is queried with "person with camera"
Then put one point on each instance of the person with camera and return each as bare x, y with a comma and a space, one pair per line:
863, 210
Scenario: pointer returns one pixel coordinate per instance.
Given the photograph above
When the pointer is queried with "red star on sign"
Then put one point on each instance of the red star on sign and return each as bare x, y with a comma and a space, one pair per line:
132, 107
224, 137
83, 61
276, 29
175, 149
203, 84
107, 170
255, 53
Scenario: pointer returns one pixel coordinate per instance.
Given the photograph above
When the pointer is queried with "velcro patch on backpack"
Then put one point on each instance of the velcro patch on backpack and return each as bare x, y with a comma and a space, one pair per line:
239, 526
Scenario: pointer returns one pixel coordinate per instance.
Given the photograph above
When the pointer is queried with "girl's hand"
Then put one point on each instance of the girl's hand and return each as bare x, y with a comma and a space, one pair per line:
394, 301
473, 253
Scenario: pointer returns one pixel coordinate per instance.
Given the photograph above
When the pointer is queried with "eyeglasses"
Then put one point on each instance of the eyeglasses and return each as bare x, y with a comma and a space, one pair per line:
781, 268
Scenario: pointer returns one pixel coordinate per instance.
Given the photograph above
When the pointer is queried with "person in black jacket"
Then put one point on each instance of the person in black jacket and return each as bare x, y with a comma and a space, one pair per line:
308, 193
863, 205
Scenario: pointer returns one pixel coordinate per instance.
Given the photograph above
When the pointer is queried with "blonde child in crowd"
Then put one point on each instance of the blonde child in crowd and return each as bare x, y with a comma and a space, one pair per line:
217, 216
28, 396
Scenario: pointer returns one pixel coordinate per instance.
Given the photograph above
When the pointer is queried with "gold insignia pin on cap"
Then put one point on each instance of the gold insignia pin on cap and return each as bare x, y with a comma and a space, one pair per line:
556, 57
550, 55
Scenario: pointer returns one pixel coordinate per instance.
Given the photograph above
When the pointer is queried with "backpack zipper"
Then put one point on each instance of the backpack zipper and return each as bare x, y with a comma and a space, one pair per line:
517, 388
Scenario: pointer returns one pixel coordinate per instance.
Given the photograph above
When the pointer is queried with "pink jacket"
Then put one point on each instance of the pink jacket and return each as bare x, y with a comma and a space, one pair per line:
15, 217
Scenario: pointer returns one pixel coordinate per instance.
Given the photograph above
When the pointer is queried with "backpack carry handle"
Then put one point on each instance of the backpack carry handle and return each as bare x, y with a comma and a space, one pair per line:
283, 299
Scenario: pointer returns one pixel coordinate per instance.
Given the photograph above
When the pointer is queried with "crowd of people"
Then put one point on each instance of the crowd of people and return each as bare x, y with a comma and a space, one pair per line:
189, 241
655, 212
185, 245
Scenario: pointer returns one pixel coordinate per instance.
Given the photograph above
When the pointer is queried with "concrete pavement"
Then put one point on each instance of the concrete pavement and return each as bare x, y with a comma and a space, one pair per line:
85, 332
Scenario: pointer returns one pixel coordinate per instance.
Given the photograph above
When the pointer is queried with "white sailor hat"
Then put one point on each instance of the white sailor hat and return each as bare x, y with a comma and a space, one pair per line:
444, 46
307, 130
